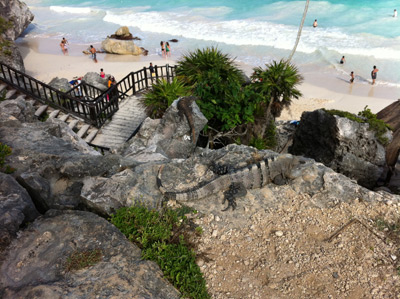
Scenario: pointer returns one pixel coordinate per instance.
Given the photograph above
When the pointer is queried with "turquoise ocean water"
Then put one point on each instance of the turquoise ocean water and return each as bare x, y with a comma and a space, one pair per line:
255, 32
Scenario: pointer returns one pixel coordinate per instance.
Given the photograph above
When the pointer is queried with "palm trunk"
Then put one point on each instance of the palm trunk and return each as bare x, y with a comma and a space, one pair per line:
300, 29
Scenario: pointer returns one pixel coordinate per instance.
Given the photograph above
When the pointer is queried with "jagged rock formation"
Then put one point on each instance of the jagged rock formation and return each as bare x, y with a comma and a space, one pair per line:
35, 263
16, 17
16, 209
61, 84
345, 146
95, 80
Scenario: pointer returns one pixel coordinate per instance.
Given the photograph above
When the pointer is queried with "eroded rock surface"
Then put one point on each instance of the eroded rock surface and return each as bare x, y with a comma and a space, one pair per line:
346, 146
35, 264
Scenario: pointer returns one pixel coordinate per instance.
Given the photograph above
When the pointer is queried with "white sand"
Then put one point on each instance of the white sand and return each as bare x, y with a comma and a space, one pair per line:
44, 60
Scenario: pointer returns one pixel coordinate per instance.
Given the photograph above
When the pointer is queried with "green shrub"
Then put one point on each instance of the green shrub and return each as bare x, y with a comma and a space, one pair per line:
5, 151
378, 126
160, 237
161, 96
82, 259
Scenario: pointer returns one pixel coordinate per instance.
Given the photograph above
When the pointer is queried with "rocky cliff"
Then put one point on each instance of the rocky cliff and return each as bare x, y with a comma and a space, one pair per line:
15, 17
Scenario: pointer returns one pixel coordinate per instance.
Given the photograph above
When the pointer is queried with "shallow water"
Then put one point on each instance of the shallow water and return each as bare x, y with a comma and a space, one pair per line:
254, 32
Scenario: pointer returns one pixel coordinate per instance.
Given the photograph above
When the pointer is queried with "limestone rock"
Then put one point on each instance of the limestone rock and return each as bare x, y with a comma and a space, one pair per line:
170, 137
12, 57
16, 208
60, 84
35, 264
122, 47
345, 146
18, 14
95, 80
18, 108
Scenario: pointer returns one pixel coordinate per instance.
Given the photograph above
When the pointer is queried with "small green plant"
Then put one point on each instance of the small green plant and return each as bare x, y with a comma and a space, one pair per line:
161, 96
5, 151
3, 95
161, 238
82, 259
44, 117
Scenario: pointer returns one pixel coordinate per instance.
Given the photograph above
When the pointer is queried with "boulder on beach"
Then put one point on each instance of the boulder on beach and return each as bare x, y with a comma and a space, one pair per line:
122, 47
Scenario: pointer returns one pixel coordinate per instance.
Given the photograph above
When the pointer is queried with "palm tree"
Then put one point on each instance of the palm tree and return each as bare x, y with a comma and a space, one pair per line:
299, 31
277, 85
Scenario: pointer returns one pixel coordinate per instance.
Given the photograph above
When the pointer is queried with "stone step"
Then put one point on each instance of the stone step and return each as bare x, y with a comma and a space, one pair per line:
64, 117
83, 130
10, 93
42, 109
73, 124
54, 113
3, 87
91, 136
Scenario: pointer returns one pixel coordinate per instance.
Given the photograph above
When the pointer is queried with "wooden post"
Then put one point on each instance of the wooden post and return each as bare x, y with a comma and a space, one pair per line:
167, 70
145, 76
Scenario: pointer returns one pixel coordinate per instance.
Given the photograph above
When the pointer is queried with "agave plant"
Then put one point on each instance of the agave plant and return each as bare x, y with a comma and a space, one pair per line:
161, 96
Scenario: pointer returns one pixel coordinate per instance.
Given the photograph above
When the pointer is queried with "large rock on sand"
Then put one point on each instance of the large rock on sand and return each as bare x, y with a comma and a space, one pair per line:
36, 264
122, 47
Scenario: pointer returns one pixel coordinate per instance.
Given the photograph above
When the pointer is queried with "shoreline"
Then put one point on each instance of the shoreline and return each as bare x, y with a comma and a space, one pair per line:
44, 60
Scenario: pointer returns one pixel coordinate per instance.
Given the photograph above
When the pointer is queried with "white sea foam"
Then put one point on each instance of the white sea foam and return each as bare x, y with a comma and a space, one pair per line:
73, 10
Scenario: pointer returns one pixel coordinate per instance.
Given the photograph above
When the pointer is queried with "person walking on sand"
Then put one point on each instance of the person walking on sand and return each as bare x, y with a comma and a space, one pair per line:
351, 77
93, 51
373, 74
163, 53
102, 74
168, 49
343, 60
315, 24
63, 49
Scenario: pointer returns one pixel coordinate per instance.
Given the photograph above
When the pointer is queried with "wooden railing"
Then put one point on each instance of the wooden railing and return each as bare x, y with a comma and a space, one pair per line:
85, 101
142, 79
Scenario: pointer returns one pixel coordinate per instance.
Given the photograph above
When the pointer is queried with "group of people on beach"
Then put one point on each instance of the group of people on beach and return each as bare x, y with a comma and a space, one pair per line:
64, 46
165, 49
374, 71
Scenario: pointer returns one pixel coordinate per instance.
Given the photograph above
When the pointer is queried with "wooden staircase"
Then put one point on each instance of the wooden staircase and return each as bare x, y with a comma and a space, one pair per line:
46, 112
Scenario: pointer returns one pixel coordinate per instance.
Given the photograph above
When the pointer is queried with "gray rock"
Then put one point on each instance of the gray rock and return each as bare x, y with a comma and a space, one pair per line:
170, 137
18, 108
345, 146
122, 47
13, 58
16, 208
18, 14
60, 84
95, 80
35, 264
38, 188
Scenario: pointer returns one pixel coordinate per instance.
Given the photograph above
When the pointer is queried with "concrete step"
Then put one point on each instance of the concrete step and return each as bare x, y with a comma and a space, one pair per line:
42, 109
64, 117
54, 113
10, 93
91, 136
73, 124
83, 130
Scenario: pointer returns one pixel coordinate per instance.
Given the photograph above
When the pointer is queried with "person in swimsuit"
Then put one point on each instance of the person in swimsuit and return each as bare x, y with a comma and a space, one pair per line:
343, 60
395, 13
315, 24
163, 49
168, 49
351, 77
373, 74
102, 74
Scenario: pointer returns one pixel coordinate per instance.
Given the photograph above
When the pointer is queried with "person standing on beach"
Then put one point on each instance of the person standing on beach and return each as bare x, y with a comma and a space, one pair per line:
102, 74
315, 24
351, 77
163, 53
395, 13
93, 51
168, 50
373, 74
63, 49
343, 60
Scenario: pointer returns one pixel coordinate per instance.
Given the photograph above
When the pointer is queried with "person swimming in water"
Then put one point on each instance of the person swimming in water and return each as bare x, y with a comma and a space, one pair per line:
315, 24
343, 60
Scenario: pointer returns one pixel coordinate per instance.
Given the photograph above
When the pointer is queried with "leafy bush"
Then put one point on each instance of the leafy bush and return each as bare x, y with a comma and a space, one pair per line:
366, 116
160, 238
161, 96
217, 82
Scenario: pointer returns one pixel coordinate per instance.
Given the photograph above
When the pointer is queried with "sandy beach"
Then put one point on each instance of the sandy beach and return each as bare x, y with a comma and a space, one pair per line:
44, 60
